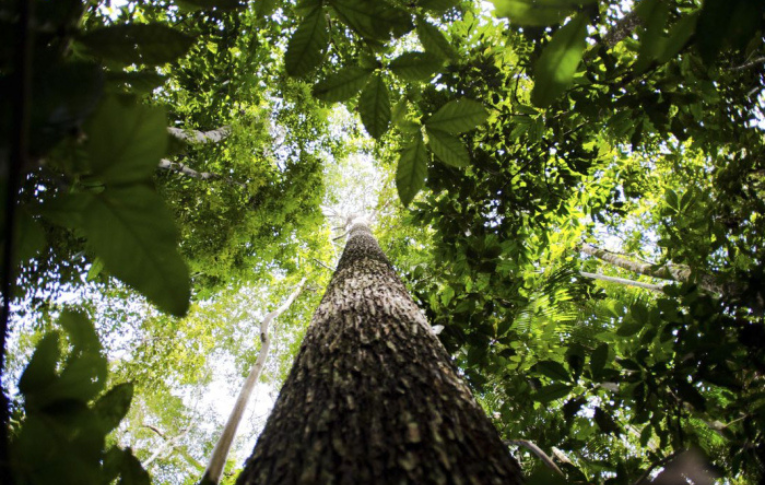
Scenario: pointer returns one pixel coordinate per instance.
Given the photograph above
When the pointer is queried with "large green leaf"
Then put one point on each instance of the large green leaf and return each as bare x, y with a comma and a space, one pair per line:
361, 16
133, 232
438, 6
416, 66
374, 106
308, 44
555, 69
536, 12
342, 85
654, 14
126, 141
448, 148
458, 116
434, 41
553, 370
151, 44
135, 81
411, 170
82, 333
552, 392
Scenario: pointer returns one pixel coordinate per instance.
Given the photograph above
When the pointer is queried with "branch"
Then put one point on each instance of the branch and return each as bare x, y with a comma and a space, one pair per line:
537, 451
178, 167
747, 65
220, 453
194, 136
623, 281
622, 29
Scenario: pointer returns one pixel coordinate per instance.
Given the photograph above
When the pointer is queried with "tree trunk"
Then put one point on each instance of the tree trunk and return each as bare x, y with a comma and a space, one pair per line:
372, 397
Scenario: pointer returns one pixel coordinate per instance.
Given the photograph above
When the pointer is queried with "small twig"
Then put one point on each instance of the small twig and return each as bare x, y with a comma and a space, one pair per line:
747, 65
537, 451
323, 265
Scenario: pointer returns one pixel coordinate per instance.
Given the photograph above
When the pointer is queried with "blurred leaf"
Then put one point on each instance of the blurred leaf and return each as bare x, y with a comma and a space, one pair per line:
554, 70
416, 66
126, 141
308, 44
194, 5
449, 149
537, 12
605, 422
411, 171
82, 333
141, 82
151, 44
434, 41
41, 370
374, 107
133, 232
553, 370
438, 7
552, 392
113, 406
598, 359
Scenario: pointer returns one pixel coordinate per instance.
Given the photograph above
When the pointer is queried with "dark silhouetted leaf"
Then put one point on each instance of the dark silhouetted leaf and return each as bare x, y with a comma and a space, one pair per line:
151, 44
605, 422
438, 6
552, 392
136, 81
194, 5
82, 333
113, 406
41, 370
598, 359
553, 370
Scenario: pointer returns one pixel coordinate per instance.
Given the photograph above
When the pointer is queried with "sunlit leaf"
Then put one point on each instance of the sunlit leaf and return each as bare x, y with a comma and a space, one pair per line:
447, 148
536, 12
434, 41
374, 106
411, 171
458, 116
552, 392
342, 85
554, 70
132, 231
553, 370
308, 44
416, 66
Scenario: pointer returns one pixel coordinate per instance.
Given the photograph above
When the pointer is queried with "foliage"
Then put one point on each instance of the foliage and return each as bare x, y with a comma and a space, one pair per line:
553, 124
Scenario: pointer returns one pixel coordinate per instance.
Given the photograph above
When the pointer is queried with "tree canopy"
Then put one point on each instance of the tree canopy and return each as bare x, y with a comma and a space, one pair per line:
572, 189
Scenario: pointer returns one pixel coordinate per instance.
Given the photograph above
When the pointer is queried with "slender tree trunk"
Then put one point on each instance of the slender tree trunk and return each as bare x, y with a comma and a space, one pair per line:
214, 470
623, 281
373, 397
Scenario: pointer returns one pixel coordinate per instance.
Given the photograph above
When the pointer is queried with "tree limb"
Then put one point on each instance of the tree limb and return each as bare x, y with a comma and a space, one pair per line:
196, 137
220, 453
537, 451
623, 281
178, 167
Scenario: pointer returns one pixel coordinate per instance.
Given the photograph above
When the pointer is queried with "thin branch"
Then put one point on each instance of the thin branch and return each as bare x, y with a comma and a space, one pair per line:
755, 62
178, 167
537, 451
323, 265
220, 453
623, 281
168, 445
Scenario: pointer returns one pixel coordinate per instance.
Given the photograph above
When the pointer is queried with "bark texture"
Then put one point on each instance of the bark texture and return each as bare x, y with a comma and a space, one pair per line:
372, 397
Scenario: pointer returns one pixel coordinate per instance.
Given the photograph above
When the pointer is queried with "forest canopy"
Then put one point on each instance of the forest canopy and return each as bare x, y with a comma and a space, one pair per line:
572, 190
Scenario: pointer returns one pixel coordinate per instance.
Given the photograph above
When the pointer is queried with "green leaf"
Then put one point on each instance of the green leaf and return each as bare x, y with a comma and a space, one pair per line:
362, 17
554, 70
536, 12
605, 422
30, 236
130, 470
448, 148
598, 359
151, 44
112, 407
670, 196
133, 232
374, 106
411, 170
458, 116
81, 380
552, 392
308, 44
438, 7
628, 329
41, 370
434, 41
553, 370
82, 333
95, 269
655, 14
416, 66
690, 394
342, 85
126, 141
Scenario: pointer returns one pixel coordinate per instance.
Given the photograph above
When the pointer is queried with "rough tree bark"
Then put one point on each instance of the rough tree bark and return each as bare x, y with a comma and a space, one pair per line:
372, 397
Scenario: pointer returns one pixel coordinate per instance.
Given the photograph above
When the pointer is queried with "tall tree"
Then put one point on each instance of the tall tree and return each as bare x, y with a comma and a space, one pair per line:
373, 396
